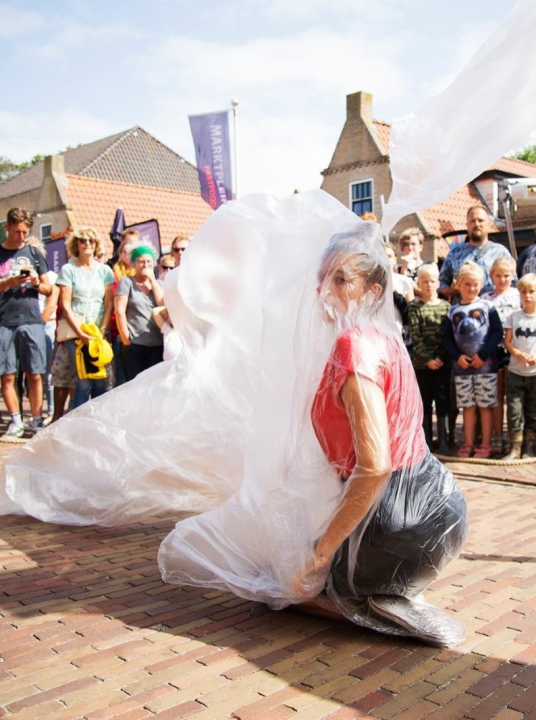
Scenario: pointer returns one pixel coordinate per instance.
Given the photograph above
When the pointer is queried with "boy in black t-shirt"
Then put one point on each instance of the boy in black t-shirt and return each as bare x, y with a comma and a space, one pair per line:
23, 275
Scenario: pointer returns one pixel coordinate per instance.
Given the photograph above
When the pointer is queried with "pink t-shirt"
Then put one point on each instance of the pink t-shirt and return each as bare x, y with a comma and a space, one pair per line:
382, 358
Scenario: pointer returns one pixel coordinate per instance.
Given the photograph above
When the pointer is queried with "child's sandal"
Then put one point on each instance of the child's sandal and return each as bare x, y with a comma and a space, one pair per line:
483, 452
466, 451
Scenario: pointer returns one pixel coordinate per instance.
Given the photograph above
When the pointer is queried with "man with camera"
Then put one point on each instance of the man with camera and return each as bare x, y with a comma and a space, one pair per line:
23, 276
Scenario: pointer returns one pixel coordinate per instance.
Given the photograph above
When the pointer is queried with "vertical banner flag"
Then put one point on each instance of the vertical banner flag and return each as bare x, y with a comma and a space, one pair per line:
213, 156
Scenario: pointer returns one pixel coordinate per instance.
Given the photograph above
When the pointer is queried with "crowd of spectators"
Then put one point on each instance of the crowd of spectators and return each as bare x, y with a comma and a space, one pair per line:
470, 328
48, 321
472, 338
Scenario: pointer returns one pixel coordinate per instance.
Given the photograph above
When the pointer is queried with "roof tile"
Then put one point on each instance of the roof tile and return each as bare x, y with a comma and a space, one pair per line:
94, 202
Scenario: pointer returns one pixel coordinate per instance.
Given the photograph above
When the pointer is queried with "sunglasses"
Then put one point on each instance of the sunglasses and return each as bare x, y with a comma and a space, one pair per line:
177, 250
167, 267
86, 241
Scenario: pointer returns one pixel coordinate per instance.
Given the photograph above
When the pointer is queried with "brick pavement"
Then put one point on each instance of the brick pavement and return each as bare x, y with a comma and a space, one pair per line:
89, 631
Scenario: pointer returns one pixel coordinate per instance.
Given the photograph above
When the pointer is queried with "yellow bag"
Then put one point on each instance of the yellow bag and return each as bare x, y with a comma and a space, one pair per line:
91, 359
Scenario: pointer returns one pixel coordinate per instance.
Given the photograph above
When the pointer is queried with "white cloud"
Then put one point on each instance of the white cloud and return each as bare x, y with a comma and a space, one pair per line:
291, 93
24, 135
16, 22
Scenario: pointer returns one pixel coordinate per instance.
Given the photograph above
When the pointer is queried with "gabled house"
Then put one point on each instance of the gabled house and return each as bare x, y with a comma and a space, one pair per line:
359, 176
85, 186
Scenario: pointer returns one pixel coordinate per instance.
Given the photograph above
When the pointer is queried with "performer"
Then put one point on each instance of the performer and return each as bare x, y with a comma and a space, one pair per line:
400, 516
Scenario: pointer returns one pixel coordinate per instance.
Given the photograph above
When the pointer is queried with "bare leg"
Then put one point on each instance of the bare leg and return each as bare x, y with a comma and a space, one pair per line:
60, 398
469, 424
35, 393
10, 394
486, 418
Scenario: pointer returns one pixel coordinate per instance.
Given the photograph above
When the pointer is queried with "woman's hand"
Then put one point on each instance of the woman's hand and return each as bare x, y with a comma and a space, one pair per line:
310, 581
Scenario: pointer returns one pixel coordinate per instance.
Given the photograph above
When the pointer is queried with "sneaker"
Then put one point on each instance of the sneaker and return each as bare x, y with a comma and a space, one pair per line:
422, 620
35, 425
13, 432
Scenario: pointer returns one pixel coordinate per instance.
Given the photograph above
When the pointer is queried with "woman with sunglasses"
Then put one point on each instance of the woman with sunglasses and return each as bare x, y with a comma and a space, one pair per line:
86, 296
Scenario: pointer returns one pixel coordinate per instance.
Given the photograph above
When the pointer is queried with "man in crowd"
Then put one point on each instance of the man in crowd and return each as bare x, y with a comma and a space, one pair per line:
23, 276
178, 246
478, 249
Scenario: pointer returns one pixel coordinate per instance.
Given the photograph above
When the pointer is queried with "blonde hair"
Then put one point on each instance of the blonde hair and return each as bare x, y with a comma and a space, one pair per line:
428, 270
36, 243
527, 282
83, 233
408, 234
504, 262
470, 269
166, 258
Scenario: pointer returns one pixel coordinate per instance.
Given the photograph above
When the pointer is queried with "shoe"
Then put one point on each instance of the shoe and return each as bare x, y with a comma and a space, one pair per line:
466, 451
516, 441
35, 425
497, 447
422, 620
483, 451
13, 432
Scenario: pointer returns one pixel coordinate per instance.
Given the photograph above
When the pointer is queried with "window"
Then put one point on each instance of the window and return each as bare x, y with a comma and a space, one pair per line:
361, 197
46, 233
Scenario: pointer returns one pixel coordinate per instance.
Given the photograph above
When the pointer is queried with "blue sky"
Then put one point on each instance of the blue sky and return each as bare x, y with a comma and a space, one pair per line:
74, 71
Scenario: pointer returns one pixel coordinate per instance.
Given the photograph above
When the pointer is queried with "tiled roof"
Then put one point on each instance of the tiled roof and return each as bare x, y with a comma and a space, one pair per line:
383, 131
133, 156
449, 215
95, 201
514, 166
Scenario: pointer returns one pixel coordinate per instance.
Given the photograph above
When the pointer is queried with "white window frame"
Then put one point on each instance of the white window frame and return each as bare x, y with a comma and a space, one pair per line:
351, 198
48, 236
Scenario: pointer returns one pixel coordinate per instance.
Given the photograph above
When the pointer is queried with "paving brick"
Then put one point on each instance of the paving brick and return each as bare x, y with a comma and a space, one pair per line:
494, 702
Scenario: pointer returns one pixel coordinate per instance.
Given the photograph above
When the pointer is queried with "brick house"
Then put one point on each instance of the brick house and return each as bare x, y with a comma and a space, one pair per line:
359, 176
85, 186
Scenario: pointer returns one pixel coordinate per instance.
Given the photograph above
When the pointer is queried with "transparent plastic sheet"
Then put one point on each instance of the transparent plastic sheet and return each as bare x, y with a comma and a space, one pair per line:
280, 303
339, 490
487, 111
175, 437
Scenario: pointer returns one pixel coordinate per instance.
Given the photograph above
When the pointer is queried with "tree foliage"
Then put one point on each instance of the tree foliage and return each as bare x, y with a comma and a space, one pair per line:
528, 153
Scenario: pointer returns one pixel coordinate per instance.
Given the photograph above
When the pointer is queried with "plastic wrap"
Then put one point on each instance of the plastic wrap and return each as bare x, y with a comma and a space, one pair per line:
487, 111
291, 420
339, 491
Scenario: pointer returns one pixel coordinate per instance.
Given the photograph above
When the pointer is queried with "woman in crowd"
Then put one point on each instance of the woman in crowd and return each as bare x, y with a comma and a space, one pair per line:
123, 267
135, 299
86, 296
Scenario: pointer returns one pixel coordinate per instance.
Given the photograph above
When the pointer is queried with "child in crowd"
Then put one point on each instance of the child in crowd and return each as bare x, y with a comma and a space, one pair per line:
520, 341
506, 300
472, 332
430, 358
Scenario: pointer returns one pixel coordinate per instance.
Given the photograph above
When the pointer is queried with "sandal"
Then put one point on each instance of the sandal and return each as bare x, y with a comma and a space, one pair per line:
466, 451
483, 451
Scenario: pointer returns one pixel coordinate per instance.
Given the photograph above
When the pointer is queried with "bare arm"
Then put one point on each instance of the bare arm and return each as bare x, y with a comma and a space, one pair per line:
108, 305
121, 302
365, 404
51, 303
157, 315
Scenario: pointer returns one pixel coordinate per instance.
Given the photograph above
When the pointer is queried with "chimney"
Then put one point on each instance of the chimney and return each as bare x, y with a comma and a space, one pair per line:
359, 105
